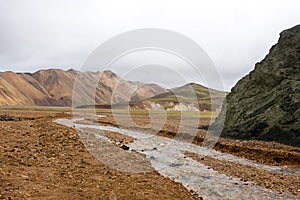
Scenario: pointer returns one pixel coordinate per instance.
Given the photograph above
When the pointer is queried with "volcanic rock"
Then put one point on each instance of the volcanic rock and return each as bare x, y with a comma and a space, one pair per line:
265, 104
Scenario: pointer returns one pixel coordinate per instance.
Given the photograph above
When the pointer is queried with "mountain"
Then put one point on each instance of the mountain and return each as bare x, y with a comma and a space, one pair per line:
265, 104
21, 89
54, 87
191, 97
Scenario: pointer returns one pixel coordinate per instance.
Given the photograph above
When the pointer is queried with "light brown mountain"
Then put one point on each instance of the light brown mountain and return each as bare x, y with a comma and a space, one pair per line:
54, 87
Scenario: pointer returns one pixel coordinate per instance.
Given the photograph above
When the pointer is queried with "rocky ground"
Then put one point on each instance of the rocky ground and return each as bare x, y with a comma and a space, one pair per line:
43, 160
268, 153
265, 104
276, 181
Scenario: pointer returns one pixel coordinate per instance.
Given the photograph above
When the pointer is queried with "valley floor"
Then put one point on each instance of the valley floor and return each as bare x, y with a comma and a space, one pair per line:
41, 159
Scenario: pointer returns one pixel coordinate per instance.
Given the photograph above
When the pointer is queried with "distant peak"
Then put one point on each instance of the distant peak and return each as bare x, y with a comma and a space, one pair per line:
193, 85
47, 70
72, 70
109, 73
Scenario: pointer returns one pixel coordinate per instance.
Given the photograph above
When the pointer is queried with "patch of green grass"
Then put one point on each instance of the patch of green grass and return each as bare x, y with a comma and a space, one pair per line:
39, 108
193, 114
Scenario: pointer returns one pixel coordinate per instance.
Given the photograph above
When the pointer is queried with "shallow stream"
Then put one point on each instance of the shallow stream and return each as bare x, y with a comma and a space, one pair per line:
167, 157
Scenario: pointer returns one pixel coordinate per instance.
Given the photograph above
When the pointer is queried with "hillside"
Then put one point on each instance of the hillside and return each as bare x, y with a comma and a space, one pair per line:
54, 87
265, 104
191, 97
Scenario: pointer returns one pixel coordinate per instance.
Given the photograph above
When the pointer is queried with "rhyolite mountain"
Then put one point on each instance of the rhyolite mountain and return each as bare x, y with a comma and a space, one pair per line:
265, 104
189, 97
54, 87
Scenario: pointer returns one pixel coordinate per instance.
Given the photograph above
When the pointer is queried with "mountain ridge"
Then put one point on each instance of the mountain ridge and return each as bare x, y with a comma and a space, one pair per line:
54, 87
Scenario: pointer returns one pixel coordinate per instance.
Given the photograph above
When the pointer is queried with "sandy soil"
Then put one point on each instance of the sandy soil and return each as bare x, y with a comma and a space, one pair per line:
43, 160
269, 153
276, 181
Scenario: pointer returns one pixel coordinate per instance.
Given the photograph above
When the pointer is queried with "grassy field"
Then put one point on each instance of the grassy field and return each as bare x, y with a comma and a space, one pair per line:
193, 114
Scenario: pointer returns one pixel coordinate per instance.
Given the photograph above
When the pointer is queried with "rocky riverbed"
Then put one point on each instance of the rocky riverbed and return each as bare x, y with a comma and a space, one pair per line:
176, 160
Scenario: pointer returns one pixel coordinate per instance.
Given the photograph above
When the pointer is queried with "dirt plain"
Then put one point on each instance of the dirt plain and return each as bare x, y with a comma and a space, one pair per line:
43, 160
268, 153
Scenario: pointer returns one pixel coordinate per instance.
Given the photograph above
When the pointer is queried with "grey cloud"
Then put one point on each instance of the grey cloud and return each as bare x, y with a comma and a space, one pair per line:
61, 34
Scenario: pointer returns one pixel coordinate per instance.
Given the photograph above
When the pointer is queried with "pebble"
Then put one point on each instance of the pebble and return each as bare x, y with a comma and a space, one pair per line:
193, 175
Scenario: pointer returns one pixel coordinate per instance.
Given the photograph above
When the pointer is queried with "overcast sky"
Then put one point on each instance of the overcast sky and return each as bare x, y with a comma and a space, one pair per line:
60, 34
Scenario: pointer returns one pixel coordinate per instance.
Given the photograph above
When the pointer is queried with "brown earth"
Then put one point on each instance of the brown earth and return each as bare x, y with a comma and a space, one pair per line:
275, 181
270, 153
43, 160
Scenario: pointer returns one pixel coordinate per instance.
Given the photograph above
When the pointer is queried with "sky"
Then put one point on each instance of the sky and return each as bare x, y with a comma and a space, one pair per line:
235, 34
